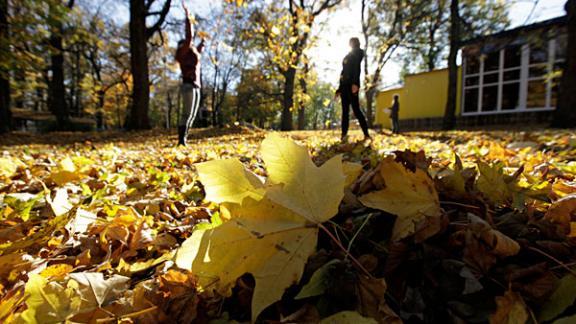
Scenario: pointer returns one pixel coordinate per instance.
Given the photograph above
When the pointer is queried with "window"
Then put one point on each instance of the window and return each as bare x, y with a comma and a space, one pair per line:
472, 65
538, 71
492, 61
561, 49
536, 94
491, 78
555, 92
512, 75
517, 78
471, 100
539, 52
490, 98
511, 96
472, 81
513, 56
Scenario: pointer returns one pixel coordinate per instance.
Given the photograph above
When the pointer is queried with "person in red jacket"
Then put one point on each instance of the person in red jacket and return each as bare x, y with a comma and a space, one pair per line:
188, 56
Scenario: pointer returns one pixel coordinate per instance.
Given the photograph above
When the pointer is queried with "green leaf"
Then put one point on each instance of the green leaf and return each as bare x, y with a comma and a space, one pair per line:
348, 317
562, 298
566, 320
22, 203
319, 281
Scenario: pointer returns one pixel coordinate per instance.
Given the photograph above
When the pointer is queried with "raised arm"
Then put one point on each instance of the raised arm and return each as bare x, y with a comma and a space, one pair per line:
188, 31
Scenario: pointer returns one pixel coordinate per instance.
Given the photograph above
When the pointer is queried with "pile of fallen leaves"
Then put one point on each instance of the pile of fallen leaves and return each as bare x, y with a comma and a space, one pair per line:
253, 227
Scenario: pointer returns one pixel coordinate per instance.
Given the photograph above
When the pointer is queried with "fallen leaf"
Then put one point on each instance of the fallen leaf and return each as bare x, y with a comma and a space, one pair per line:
229, 181
269, 238
348, 317
9, 166
409, 195
563, 213
562, 298
306, 189
510, 309
484, 245
49, 302
66, 172
56, 271
60, 204
352, 172
318, 283
491, 183
96, 291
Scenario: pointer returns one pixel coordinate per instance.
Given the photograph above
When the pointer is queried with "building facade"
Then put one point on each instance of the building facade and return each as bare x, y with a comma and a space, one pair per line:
512, 76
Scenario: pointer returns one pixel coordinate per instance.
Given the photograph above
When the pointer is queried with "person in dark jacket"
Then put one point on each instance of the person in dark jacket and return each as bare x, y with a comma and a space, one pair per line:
349, 88
394, 111
188, 56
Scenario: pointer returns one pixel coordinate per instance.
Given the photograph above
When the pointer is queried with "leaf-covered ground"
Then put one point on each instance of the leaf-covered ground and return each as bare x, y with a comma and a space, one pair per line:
244, 225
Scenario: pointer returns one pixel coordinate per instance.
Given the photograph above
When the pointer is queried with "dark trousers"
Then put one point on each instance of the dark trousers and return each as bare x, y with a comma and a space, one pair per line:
395, 125
349, 98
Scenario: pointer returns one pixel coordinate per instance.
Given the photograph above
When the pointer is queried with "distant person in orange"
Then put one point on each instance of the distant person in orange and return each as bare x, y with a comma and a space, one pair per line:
349, 88
188, 56
394, 111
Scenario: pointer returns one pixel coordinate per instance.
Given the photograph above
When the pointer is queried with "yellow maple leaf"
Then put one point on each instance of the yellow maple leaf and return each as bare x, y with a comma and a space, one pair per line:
57, 271
270, 237
409, 195
352, 172
48, 302
233, 185
9, 166
491, 183
303, 184
66, 172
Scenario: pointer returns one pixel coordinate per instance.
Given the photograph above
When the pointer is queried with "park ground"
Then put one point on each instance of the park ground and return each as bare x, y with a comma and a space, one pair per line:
500, 248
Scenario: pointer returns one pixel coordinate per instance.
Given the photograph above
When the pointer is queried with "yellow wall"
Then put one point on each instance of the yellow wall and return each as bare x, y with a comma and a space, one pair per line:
423, 96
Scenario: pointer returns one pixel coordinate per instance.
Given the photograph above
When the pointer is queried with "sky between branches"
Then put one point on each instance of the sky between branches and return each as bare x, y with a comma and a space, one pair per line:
344, 23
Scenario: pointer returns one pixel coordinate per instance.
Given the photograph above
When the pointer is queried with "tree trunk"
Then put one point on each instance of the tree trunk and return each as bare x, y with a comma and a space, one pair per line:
301, 118
214, 97
5, 115
78, 89
220, 102
302, 108
138, 116
169, 111
365, 18
100, 110
449, 121
565, 114
56, 89
288, 102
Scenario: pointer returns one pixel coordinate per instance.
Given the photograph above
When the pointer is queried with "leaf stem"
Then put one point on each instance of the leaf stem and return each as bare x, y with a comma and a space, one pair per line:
354, 260
358, 232
560, 263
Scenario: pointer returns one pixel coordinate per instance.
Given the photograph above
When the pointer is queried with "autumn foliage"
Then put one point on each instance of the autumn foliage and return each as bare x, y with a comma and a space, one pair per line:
252, 226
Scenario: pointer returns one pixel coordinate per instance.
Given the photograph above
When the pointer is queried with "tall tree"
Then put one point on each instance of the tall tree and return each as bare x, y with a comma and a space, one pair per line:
56, 88
140, 10
385, 25
427, 48
287, 36
565, 114
468, 19
5, 115
450, 111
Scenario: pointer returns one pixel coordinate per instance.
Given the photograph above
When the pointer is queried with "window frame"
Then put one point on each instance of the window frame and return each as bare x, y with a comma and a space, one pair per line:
523, 81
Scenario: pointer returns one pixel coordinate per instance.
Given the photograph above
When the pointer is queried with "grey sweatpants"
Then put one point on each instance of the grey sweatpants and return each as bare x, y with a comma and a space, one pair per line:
191, 98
